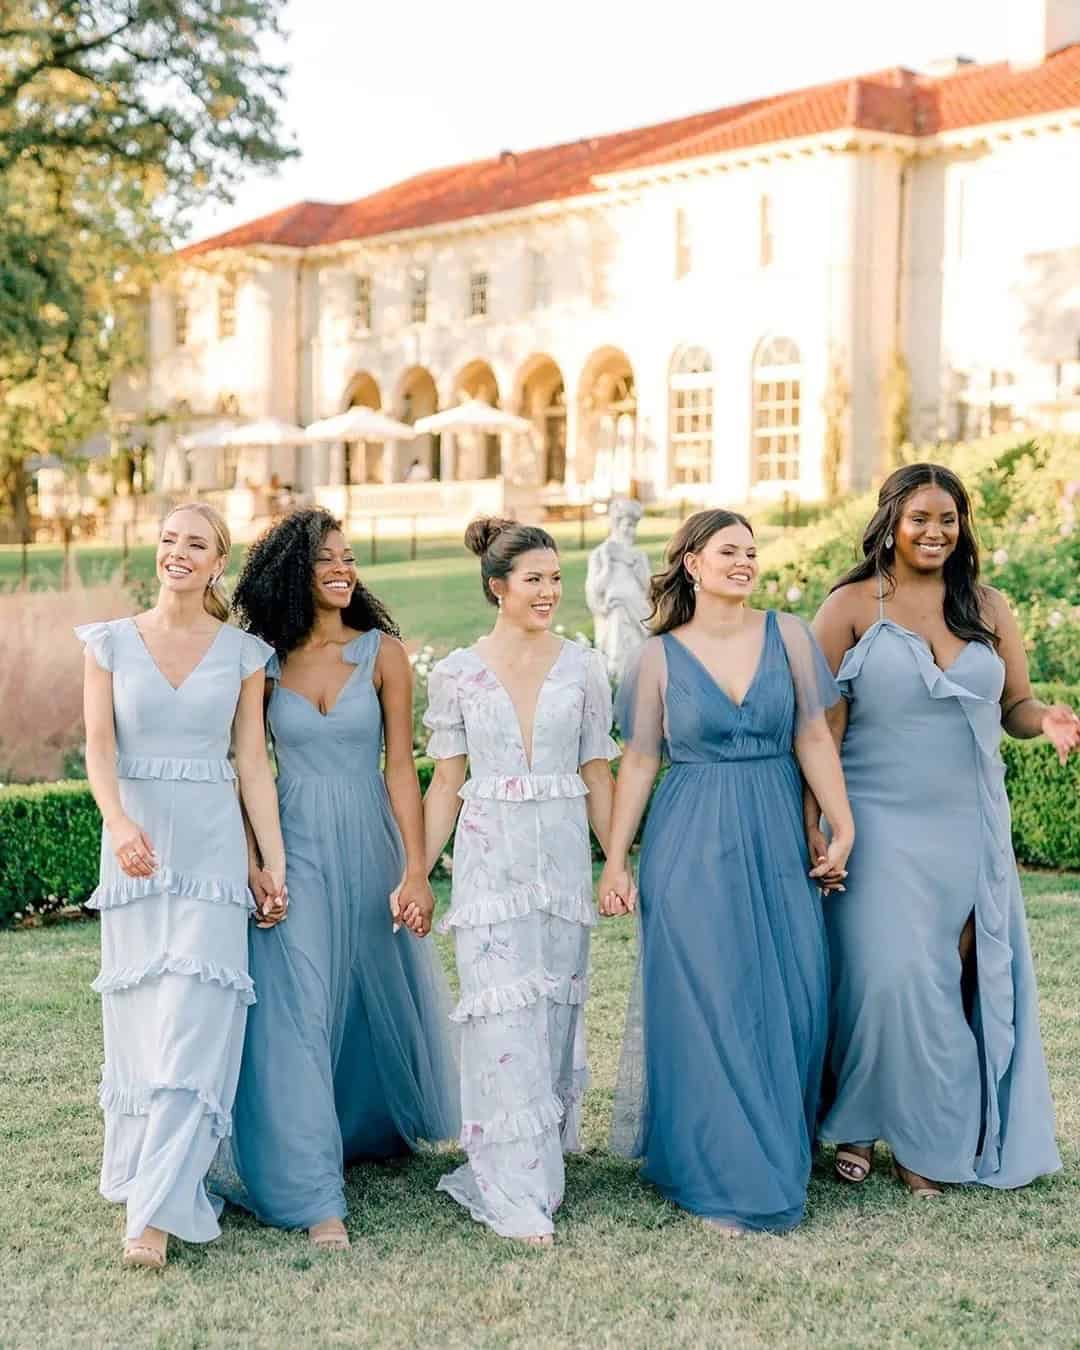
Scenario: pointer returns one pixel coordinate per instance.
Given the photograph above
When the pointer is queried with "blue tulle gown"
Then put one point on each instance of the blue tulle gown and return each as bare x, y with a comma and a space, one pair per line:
959, 1094
348, 1056
719, 1082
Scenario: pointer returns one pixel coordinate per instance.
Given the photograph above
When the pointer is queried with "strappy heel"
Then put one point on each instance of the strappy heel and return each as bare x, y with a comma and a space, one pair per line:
139, 1253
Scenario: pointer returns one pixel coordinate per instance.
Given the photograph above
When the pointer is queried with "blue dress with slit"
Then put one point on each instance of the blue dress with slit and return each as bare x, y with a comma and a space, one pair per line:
957, 1088
347, 1055
721, 1069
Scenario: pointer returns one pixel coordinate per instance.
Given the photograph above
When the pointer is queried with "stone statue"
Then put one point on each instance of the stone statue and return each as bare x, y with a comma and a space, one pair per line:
617, 588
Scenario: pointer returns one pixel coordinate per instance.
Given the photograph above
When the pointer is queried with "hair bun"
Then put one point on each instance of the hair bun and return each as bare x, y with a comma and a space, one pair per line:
482, 533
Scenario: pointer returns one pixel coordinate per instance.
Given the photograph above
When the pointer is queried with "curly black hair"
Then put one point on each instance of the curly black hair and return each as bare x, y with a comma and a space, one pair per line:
273, 597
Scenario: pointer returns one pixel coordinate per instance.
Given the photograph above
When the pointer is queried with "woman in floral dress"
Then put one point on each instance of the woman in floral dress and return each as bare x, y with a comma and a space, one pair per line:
532, 715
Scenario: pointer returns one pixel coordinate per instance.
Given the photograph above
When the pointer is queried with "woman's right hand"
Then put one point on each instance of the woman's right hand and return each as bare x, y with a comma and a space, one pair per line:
828, 859
134, 851
616, 890
270, 892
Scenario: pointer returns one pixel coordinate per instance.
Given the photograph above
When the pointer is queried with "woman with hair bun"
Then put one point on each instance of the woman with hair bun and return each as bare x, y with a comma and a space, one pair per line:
718, 1086
531, 715
347, 1055
936, 1047
164, 694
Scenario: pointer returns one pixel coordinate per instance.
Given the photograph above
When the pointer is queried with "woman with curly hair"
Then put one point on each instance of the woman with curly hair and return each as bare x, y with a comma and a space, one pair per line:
936, 1046
346, 1056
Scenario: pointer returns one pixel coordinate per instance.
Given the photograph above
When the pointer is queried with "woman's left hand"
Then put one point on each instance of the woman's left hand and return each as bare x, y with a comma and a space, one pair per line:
413, 904
271, 896
1061, 727
831, 868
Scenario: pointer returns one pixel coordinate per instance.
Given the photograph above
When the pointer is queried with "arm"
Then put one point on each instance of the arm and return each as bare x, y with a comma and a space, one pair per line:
819, 759
637, 773
441, 806
1023, 715
835, 631
259, 797
134, 851
412, 902
596, 774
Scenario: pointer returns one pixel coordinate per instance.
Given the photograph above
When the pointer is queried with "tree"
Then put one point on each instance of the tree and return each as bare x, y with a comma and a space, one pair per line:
117, 117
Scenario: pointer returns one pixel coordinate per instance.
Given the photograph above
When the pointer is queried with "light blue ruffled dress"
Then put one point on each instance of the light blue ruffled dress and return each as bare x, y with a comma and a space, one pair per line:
174, 968
720, 1076
958, 1096
521, 914
347, 1054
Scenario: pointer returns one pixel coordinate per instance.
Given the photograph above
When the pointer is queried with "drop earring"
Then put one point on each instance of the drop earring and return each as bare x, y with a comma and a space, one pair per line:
889, 540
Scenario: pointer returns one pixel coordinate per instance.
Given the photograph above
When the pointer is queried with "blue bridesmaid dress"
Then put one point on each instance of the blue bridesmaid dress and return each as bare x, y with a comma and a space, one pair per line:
347, 1055
959, 1094
719, 1081
174, 963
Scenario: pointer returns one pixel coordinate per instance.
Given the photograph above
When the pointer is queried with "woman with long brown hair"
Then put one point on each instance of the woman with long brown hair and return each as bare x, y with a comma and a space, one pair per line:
936, 1046
721, 1101
165, 692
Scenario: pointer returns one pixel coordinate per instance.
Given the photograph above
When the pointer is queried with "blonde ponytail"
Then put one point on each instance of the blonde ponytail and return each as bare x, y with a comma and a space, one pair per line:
215, 598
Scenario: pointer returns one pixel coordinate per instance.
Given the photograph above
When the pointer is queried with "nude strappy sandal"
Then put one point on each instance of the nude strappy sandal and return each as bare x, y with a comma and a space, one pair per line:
145, 1255
329, 1236
856, 1160
927, 1192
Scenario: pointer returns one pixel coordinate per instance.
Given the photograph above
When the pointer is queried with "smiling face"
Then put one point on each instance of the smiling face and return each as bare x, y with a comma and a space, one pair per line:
334, 577
727, 566
928, 529
532, 591
187, 553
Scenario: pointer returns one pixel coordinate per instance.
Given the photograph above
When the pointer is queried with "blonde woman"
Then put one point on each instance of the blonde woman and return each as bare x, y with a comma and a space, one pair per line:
165, 692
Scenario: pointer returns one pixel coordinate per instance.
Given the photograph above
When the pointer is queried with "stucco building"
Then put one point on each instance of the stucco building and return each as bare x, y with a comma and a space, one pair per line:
738, 304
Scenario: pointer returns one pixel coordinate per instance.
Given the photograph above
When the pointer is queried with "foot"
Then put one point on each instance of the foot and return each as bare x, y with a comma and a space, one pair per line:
853, 1163
725, 1227
149, 1249
536, 1240
921, 1187
329, 1236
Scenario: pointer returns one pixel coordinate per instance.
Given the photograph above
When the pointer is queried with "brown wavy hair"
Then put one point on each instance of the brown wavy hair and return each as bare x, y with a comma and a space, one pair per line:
672, 591
964, 596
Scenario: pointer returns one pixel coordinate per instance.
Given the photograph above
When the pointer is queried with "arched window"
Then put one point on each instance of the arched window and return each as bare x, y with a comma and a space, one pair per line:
777, 385
690, 424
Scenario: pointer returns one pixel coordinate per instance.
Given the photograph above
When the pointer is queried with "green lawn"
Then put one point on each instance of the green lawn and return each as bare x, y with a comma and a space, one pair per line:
869, 1267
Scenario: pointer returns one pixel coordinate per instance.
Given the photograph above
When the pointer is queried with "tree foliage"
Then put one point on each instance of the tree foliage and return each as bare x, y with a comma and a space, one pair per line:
117, 117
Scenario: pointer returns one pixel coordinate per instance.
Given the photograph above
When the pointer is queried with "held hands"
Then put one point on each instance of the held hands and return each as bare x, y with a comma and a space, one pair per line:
1061, 727
617, 890
270, 892
829, 860
413, 904
133, 849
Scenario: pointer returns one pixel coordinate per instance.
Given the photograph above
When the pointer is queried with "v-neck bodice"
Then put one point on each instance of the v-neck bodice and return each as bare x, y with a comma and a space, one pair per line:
344, 742
166, 731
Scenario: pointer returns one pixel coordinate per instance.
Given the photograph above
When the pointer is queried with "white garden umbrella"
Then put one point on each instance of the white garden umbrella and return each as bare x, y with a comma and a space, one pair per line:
266, 431
472, 415
359, 424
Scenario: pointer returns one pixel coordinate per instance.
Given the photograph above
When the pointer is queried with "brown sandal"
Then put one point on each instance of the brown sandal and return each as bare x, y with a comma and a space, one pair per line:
329, 1236
144, 1254
856, 1161
925, 1192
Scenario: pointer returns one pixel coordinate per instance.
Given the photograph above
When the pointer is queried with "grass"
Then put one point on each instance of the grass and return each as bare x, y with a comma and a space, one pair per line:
869, 1267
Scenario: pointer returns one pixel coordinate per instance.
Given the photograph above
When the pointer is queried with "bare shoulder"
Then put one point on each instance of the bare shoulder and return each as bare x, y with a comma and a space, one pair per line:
854, 605
392, 654
995, 606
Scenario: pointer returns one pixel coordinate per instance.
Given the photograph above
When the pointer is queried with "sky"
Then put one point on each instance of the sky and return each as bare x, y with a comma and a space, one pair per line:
380, 91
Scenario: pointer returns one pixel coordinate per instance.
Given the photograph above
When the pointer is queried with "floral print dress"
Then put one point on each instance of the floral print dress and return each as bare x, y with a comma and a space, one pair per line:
521, 910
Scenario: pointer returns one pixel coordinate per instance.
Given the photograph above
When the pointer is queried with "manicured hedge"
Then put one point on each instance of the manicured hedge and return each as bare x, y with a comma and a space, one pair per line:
49, 833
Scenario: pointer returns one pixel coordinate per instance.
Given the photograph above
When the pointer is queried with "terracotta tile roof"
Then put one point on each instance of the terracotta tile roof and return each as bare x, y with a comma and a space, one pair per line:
890, 101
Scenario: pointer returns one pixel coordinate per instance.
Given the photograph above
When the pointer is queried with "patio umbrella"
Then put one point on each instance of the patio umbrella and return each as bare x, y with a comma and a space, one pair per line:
472, 415
267, 431
359, 424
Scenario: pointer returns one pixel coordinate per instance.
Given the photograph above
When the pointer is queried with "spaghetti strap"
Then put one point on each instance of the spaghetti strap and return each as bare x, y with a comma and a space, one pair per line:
880, 597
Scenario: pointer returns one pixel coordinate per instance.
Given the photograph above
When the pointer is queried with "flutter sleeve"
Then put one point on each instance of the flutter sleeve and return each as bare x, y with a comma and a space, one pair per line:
254, 654
815, 687
596, 742
444, 718
640, 701
98, 639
